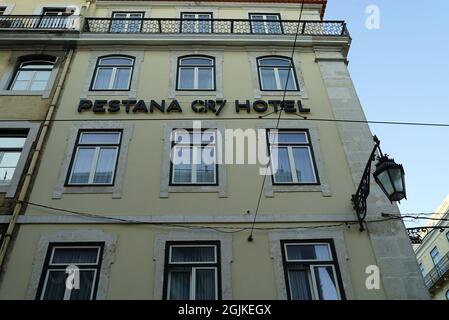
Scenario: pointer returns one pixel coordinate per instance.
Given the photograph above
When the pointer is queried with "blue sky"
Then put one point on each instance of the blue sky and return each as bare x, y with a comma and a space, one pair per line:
401, 74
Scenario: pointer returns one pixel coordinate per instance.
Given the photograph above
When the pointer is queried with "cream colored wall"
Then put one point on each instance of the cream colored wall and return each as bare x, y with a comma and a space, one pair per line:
141, 193
132, 273
221, 10
28, 7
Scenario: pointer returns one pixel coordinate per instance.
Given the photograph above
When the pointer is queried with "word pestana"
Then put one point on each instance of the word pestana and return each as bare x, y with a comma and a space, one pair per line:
198, 106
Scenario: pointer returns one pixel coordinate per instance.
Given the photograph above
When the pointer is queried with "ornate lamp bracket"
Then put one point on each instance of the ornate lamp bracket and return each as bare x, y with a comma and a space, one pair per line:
360, 197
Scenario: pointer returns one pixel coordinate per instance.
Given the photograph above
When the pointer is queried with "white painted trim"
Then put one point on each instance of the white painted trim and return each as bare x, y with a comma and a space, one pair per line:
341, 258
231, 218
33, 129
109, 240
197, 235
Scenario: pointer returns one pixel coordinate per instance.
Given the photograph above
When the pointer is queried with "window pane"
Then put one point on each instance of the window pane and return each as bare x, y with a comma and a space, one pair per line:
186, 78
299, 285
319, 252
37, 65
75, 255
281, 165
205, 165
268, 79
105, 165
24, 75
384, 179
288, 137
87, 278
42, 75
303, 165
179, 286
55, 285
100, 138
257, 26
8, 163
116, 61
205, 78
196, 62
20, 85
277, 62
192, 254
283, 74
38, 85
122, 77
103, 78
182, 165
12, 142
326, 283
82, 166
205, 284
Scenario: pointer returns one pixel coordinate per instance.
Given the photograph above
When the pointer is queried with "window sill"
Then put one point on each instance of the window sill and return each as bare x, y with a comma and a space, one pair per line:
194, 189
296, 188
86, 190
23, 93
195, 93
109, 93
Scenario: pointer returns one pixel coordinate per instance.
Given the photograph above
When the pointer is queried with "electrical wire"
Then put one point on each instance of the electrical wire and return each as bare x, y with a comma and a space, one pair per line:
245, 118
250, 237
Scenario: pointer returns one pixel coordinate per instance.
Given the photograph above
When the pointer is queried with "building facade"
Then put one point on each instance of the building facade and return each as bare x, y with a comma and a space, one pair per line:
433, 254
141, 86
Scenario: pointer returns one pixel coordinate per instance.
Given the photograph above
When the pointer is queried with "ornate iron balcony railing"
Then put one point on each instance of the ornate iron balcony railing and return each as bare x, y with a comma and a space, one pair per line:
39, 23
438, 274
214, 26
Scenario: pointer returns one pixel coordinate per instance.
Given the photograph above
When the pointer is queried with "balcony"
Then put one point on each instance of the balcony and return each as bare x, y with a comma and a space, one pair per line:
13, 23
214, 26
438, 274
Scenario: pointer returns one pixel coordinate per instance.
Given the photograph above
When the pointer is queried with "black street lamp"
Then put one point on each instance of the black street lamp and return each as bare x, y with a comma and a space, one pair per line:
388, 175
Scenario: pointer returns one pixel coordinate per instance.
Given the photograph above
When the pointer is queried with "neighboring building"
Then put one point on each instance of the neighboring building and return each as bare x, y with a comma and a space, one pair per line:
107, 198
433, 253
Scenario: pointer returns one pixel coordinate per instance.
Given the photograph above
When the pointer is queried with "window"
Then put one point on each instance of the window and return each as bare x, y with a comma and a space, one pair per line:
436, 258
56, 18
292, 158
274, 72
2, 11
192, 271
265, 23
311, 271
196, 22
421, 267
193, 157
32, 75
11, 145
87, 258
95, 158
126, 22
113, 73
196, 73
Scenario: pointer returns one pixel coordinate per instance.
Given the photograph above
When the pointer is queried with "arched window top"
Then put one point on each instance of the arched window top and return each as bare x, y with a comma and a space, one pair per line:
116, 61
196, 61
274, 61
36, 65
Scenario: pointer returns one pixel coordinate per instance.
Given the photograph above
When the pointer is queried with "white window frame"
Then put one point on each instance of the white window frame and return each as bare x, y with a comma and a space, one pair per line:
95, 158
277, 78
311, 266
196, 24
265, 24
113, 74
306, 145
125, 27
192, 246
196, 69
192, 272
68, 291
195, 149
35, 72
74, 247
